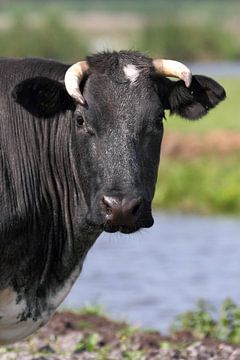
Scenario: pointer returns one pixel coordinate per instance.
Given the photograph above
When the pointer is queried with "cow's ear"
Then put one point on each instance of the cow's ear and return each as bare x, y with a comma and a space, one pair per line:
43, 97
195, 101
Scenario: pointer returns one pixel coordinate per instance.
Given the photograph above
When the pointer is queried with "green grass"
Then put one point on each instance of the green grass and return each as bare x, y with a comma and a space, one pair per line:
206, 185
224, 117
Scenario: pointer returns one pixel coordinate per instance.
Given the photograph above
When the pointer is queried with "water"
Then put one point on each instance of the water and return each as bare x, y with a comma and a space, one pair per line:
150, 277
217, 68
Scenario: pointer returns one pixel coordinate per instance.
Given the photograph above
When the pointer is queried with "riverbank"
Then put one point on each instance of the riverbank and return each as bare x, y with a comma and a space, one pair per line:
93, 336
199, 173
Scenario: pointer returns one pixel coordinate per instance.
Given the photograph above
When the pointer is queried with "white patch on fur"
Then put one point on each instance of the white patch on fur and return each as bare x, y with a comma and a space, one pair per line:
11, 328
131, 72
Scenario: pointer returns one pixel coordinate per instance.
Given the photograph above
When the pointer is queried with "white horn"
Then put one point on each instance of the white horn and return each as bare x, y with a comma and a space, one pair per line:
73, 78
173, 68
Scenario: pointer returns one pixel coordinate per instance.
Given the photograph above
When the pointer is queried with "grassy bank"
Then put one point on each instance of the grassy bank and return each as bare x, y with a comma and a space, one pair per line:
206, 185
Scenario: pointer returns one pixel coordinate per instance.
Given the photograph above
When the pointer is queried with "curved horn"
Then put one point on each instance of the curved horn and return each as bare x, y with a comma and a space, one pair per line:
173, 68
73, 78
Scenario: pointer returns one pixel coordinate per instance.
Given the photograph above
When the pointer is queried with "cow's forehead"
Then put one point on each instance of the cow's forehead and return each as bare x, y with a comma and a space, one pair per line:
126, 81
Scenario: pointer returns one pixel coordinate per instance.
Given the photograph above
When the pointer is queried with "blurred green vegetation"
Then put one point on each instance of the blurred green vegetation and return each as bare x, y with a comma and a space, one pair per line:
204, 322
206, 185
51, 39
189, 42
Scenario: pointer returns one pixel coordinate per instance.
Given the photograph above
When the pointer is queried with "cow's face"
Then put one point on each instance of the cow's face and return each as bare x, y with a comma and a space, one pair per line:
120, 129
116, 133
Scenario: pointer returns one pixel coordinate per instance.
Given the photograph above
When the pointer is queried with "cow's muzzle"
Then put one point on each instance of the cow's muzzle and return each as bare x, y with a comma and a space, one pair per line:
125, 215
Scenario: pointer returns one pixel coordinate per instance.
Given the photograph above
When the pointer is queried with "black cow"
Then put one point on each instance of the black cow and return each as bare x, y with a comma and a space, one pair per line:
79, 154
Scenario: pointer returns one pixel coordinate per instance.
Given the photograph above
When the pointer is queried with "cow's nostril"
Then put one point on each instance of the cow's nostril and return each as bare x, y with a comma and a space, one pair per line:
136, 207
121, 212
107, 205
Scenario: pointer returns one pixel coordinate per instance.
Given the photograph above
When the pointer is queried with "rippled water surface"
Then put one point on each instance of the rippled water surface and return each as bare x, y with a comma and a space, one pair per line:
150, 277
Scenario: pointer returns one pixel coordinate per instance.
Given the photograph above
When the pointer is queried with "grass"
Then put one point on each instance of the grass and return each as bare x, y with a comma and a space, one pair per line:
223, 117
204, 185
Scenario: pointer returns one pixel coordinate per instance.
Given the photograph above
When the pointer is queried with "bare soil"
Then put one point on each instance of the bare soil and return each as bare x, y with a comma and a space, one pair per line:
188, 146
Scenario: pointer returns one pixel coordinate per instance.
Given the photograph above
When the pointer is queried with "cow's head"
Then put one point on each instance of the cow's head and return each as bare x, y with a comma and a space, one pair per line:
116, 103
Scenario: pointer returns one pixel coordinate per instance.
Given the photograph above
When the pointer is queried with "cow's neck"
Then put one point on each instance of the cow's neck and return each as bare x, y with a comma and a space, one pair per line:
44, 248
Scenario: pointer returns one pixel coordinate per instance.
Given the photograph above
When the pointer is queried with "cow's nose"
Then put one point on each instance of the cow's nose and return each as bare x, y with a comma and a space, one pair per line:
121, 212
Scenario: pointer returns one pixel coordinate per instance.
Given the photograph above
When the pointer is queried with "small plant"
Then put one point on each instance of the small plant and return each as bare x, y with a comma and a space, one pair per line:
89, 344
229, 322
96, 310
201, 322
103, 353
165, 345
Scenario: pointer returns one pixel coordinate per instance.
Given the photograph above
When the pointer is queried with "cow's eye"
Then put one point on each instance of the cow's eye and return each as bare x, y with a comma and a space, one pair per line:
79, 120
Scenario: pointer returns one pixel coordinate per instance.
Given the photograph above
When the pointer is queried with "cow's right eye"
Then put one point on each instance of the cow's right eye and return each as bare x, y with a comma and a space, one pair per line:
79, 120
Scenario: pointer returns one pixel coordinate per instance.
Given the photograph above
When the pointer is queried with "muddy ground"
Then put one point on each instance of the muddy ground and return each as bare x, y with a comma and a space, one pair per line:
72, 336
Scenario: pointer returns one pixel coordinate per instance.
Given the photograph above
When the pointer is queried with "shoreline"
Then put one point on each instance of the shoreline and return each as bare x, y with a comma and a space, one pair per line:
83, 336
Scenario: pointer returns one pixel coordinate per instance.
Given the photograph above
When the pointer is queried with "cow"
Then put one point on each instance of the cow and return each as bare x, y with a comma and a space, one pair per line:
79, 155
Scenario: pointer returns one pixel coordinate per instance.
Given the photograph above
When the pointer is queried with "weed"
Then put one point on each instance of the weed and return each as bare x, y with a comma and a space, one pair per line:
89, 309
201, 322
89, 344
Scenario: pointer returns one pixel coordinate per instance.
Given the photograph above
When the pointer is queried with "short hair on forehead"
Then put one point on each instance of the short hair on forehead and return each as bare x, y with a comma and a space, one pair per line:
111, 63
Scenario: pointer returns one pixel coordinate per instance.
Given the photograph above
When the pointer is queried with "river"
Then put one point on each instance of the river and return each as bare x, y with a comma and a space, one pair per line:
150, 277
